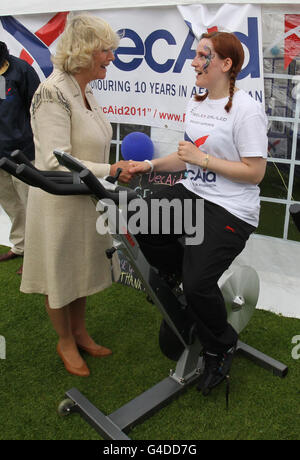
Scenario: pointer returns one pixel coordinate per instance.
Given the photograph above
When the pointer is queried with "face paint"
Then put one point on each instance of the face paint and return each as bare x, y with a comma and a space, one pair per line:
208, 58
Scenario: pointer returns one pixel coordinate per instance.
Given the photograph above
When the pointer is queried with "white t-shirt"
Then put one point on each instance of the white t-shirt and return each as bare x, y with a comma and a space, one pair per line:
240, 133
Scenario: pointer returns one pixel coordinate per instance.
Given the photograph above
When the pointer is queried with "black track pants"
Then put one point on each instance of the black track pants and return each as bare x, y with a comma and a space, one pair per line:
200, 265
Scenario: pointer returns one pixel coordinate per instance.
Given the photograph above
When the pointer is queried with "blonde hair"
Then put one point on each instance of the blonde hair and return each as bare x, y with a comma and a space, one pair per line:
84, 34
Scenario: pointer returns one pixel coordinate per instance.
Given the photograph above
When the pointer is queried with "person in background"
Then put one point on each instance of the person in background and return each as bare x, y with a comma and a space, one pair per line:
224, 154
18, 83
65, 258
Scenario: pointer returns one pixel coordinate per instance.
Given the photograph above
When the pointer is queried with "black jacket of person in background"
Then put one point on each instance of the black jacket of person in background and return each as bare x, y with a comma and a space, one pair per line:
21, 82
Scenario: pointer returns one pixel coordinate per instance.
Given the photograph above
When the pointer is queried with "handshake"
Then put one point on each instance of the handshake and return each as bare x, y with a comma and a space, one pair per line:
136, 146
129, 169
187, 152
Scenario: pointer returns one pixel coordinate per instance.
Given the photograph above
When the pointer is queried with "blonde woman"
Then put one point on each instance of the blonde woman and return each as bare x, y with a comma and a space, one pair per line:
65, 258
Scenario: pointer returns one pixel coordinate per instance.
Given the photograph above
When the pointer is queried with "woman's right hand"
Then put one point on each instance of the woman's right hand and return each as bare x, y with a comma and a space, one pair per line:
125, 175
129, 169
139, 167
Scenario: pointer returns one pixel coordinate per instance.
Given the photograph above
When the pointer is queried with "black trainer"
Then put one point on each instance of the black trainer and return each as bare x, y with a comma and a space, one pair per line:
216, 369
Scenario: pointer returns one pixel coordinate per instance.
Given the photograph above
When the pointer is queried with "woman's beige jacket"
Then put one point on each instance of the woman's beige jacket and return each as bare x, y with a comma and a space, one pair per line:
64, 255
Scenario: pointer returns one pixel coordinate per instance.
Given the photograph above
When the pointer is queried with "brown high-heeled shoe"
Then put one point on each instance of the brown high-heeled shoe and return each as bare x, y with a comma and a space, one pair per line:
99, 352
82, 371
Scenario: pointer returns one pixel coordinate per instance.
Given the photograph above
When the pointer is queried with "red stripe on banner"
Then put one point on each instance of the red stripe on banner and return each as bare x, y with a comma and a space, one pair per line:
50, 31
26, 57
291, 43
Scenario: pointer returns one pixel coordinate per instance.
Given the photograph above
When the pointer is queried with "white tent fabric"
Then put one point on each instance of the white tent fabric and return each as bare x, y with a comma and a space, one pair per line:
36, 6
277, 264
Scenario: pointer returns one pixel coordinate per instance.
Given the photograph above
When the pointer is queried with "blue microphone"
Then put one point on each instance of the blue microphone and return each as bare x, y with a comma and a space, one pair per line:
137, 146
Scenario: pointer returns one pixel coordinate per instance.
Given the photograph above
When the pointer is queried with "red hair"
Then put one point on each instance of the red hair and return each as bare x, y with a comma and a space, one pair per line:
226, 45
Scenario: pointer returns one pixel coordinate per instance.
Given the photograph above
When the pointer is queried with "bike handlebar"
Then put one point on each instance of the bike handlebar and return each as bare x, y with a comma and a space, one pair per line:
11, 167
49, 184
62, 182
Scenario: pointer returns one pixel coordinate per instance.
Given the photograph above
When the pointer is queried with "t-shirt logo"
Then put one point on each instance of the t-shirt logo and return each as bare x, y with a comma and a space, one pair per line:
201, 174
197, 142
201, 140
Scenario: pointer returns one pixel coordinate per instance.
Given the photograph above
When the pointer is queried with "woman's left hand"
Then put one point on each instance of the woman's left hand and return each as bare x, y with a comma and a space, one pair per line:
190, 153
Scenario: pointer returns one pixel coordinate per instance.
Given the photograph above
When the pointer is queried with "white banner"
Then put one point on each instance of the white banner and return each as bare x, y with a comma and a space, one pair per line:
151, 79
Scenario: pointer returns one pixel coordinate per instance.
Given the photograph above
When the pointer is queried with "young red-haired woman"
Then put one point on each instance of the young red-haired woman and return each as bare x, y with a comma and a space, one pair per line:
224, 154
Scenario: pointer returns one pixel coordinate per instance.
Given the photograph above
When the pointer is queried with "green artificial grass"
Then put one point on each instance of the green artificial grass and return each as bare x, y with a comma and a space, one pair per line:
33, 380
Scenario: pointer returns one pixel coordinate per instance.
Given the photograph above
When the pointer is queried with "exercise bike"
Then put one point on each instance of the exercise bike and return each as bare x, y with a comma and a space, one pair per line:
177, 338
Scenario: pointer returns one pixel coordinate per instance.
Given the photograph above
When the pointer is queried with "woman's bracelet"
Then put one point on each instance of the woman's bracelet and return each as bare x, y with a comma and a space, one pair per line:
151, 164
205, 161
